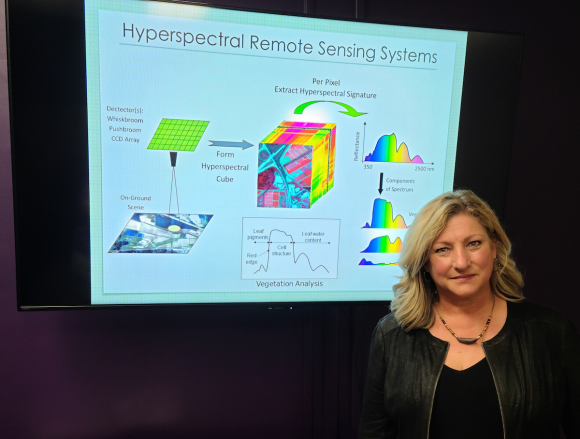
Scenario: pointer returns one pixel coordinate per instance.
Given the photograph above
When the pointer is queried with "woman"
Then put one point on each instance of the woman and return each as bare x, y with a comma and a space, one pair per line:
463, 355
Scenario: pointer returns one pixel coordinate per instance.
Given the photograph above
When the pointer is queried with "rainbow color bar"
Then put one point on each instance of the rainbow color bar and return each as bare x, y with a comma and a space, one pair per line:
383, 244
386, 151
383, 217
365, 262
296, 164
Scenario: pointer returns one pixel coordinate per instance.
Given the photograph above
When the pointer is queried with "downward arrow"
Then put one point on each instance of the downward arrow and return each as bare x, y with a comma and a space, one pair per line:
381, 184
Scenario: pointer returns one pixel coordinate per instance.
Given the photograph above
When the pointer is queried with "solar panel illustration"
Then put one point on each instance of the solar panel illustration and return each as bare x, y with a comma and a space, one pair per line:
178, 135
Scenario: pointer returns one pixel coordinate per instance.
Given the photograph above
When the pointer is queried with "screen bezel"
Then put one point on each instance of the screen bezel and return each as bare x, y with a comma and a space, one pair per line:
476, 165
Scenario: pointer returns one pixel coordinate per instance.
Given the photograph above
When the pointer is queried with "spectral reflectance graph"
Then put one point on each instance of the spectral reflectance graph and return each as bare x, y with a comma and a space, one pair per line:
365, 262
383, 217
383, 244
386, 151
288, 248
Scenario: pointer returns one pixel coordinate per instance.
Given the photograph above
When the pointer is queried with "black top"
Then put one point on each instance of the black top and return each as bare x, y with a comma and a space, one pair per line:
466, 405
535, 359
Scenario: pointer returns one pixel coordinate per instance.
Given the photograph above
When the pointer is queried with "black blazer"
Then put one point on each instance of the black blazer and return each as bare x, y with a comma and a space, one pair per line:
534, 359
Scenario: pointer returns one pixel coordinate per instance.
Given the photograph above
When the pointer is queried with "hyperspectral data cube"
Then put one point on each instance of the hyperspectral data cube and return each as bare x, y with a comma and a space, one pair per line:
296, 164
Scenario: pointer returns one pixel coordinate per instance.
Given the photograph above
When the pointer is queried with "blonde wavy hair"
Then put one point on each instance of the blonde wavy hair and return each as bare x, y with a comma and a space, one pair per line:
415, 294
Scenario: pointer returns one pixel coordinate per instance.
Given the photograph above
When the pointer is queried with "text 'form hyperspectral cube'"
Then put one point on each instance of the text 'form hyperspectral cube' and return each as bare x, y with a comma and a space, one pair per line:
296, 164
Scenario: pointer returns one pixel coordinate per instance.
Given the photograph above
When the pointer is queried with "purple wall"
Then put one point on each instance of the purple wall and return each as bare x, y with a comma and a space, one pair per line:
250, 372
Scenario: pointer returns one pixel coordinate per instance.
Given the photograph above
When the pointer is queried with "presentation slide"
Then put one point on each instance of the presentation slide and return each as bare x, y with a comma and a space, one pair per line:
249, 157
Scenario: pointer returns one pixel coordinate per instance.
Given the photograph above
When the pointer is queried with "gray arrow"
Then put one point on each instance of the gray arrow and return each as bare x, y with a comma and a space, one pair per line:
243, 144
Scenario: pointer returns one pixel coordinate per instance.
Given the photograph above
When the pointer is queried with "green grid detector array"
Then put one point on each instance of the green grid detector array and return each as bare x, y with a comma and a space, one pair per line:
178, 135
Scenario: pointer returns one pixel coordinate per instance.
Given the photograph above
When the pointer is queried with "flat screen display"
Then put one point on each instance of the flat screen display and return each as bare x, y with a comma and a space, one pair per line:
249, 157
177, 153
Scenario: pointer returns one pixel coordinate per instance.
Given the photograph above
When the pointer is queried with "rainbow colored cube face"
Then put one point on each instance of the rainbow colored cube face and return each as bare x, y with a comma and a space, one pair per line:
296, 164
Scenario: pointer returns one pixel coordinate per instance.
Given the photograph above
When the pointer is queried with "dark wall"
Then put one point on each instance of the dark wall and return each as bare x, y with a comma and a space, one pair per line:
253, 372
543, 184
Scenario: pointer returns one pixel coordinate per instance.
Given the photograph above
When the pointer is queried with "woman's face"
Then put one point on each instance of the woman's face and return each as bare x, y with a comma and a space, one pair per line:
462, 257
